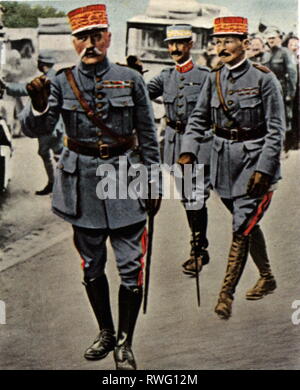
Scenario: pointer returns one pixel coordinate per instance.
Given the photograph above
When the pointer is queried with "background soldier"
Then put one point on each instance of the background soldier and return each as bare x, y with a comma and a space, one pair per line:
258, 52
180, 87
50, 142
102, 104
243, 102
282, 64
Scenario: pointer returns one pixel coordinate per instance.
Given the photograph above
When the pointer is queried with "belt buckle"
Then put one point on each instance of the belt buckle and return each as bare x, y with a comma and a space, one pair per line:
234, 134
104, 151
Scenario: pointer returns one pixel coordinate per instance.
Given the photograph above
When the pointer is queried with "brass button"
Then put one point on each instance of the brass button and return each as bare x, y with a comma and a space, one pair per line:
60, 166
100, 95
99, 114
231, 92
98, 78
182, 78
179, 105
99, 86
99, 105
180, 96
232, 80
99, 133
230, 102
181, 86
74, 107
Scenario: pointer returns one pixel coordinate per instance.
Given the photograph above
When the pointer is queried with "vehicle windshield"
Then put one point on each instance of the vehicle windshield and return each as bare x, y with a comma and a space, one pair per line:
147, 42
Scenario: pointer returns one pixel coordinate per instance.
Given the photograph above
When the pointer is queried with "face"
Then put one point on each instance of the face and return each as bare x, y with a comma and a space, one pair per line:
274, 41
230, 49
293, 45
257, 46
92, 46
179, 50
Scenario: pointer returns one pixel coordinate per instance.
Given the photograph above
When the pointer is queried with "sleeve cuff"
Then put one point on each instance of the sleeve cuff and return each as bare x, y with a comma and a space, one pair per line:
37, 113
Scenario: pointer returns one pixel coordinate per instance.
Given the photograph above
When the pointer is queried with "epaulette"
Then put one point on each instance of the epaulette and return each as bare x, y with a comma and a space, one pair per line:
63, 69
217, 67
261, 67
118, 63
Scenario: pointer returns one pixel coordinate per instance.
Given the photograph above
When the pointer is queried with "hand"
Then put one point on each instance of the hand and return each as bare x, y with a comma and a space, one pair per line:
258, 185
39, 90
186, 158
153, 205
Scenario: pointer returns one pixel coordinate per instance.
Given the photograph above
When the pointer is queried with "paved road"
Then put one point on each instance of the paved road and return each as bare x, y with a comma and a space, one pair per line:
49, 323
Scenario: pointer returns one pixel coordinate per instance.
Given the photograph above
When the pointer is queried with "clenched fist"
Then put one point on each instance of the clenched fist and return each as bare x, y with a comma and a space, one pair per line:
39, 90
186, 158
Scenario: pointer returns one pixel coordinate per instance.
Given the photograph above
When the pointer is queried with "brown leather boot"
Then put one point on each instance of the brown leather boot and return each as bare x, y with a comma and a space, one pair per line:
266, 284
235, 266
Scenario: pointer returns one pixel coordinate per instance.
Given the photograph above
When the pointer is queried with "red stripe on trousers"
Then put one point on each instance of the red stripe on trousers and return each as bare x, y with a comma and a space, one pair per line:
259, 213
144, 243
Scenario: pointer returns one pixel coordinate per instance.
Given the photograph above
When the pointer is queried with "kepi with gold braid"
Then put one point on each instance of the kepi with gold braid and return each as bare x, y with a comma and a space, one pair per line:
88, 18
179, 31
230, 25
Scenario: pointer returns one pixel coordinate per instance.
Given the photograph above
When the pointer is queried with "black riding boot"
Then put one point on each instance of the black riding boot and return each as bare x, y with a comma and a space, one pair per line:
98, 294
198, 221
130, 300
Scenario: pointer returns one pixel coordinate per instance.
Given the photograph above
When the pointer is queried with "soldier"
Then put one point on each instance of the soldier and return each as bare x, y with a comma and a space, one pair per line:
258, 52
102, 105
50, 142
282, 64
243, 103
180, 86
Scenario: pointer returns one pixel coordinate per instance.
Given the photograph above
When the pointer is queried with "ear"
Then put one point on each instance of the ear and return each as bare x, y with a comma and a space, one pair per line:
191, 44
246, 44
108, 38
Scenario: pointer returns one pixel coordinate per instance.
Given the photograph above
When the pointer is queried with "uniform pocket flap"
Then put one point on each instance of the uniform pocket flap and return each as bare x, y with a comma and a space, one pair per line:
169, 98
254, 145
68, 161
249, 102
192, 98
122, 101
72, 105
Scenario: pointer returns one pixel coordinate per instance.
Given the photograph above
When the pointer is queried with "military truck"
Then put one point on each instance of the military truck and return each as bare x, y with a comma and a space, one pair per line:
54, 35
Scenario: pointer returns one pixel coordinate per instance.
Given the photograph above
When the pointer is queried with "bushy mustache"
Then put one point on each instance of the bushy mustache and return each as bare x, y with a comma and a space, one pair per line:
176, 53
224, 53
88, 51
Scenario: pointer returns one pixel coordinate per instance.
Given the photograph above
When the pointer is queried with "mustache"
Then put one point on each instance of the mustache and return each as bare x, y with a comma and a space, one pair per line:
176, 53
88, 51
224, 53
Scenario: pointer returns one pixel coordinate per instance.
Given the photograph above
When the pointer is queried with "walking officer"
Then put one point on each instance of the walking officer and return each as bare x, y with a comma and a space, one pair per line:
102, 105
180, 86
243, 102
47, 143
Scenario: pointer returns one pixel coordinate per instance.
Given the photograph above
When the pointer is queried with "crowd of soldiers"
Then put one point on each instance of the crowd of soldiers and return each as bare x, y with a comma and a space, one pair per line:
231, 120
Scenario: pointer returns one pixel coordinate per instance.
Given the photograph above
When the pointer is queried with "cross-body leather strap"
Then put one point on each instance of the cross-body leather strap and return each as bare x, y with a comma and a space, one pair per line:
89, 112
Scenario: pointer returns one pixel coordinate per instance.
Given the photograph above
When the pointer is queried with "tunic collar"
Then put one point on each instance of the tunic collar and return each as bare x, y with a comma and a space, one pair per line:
94, 69
185, 67
239, 70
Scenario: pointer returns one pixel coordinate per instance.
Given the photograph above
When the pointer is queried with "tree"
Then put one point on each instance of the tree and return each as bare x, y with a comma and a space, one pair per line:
18, 15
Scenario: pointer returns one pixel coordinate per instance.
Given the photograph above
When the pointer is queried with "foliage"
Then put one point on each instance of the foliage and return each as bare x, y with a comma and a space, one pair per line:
18, 15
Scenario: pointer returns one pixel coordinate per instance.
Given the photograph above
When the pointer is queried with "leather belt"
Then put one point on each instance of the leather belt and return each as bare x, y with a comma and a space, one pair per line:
240, 135
178, 126
99, 149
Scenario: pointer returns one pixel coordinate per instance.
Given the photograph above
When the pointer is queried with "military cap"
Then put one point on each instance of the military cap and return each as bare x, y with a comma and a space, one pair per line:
46, 57
179, 31
88, 18
230, 25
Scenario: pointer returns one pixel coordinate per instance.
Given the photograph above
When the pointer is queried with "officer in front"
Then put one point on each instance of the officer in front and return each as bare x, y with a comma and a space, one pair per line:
102, 105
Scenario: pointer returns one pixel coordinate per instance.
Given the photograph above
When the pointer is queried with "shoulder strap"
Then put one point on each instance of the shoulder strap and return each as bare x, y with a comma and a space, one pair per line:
221, 98
261, 67
89, 112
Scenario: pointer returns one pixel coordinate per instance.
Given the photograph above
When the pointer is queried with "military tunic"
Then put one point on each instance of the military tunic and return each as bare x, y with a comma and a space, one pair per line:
180, 92
255, 99
119, 97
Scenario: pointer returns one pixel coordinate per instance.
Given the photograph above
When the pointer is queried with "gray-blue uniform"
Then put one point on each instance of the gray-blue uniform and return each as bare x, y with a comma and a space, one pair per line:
254, 98
119, 97
46, 143
180, 87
